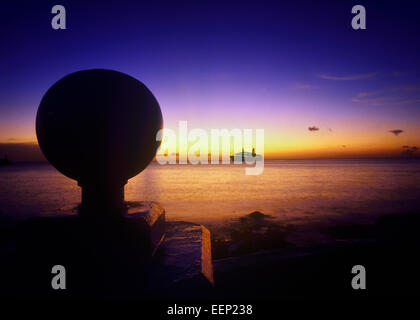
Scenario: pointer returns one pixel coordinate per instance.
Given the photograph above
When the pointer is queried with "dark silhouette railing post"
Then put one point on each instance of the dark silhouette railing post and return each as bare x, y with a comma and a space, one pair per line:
99, 127
102, 199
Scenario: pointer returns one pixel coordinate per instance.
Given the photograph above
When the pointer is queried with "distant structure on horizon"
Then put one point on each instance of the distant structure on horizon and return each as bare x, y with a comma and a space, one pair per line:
246, 155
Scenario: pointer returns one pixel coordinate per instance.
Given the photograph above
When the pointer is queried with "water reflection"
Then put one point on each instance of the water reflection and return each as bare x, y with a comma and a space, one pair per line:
294, 191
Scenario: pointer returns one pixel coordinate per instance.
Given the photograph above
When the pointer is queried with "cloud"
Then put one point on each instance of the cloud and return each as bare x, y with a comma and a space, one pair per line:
365, 94
408, 87
398, 96
376, 101
396, 131
313, 128
349, 77
343, 145
409, 151
399, 74
412, 101
305, 86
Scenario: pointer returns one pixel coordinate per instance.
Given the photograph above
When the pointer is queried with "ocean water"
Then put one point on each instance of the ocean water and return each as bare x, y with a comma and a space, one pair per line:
295, 192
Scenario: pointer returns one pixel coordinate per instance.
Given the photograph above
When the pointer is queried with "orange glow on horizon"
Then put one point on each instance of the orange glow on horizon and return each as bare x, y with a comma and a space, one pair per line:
291, 142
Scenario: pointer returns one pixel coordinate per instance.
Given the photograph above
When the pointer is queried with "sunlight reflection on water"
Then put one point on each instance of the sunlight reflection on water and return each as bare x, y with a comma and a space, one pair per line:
294, 191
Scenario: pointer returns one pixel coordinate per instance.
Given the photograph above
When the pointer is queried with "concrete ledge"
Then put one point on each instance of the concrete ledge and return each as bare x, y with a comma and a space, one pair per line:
183, 266
146, 220
111, 260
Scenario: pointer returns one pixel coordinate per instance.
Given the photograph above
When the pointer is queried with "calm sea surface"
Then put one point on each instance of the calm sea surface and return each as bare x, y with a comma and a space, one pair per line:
297, 191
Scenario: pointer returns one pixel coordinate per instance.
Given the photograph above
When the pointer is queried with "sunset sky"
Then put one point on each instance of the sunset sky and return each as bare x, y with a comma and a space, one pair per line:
281, 66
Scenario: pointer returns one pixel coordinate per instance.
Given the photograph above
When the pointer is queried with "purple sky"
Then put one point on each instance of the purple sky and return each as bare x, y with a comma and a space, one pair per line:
281, 66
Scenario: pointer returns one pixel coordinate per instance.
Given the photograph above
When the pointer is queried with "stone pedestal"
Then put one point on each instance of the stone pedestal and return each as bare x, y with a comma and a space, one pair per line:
134, 256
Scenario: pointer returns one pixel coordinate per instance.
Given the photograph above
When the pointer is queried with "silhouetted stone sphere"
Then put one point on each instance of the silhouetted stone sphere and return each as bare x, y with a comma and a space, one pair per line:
99, 126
